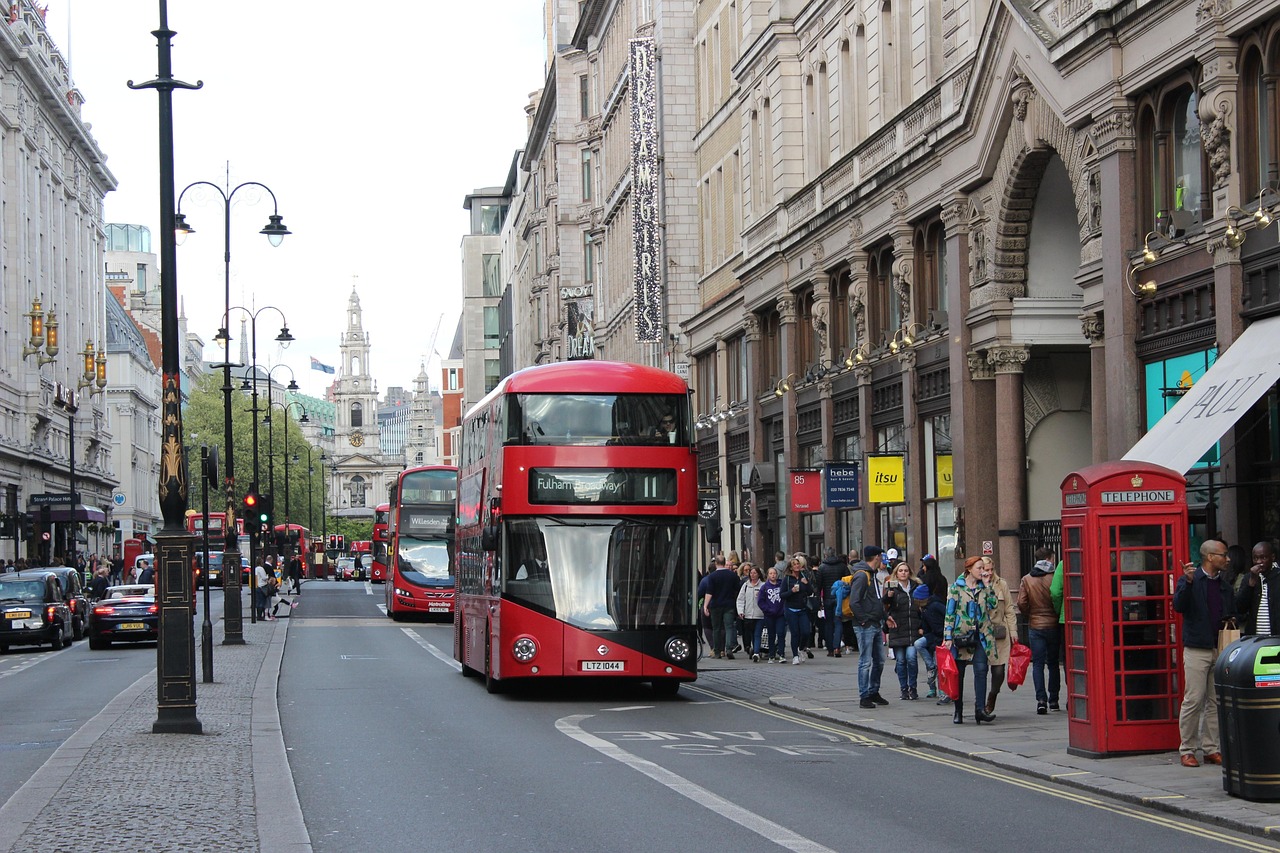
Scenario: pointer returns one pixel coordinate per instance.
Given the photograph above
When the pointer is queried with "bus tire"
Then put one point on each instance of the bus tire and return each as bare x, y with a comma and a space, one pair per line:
667, 687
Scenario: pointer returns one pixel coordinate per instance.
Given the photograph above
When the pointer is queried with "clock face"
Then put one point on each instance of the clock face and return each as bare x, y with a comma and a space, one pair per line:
357, 439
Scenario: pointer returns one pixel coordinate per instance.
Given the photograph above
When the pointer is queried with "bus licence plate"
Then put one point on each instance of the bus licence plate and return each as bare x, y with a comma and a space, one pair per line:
603, 666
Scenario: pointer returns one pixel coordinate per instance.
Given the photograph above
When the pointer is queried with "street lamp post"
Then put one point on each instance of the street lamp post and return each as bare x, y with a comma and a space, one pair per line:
275, 231
284, 407
311, 494
175, 649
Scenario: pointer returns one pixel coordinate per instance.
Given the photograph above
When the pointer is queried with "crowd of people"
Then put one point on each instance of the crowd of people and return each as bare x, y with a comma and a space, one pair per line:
883, 608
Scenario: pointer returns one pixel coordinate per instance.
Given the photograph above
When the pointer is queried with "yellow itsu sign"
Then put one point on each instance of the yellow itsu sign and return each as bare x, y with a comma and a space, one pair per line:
945, 487
885, 479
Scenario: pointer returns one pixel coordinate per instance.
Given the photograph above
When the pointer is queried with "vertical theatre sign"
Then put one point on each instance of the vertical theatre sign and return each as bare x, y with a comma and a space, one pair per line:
644, 189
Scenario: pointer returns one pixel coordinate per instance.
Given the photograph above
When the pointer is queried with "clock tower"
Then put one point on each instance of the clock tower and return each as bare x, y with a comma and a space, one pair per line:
361, 472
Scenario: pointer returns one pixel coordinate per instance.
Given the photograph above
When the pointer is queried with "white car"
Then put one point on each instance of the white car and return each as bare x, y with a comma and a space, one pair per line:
129, 590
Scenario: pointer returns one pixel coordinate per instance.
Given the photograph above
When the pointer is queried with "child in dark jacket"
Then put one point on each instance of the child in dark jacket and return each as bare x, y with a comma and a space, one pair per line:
933, 616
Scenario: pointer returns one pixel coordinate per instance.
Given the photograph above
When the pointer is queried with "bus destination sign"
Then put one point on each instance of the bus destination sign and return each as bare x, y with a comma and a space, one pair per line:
578, 486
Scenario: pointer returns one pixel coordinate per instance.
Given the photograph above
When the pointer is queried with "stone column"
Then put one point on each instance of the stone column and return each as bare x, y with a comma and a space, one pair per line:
787, 343
914, 470
1092, 327
1228, 296
1011, 455
955, 214
755, 432
979, 461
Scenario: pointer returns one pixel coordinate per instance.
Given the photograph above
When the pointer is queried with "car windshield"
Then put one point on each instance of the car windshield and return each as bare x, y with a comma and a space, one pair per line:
23, 589
425, 561
603, 574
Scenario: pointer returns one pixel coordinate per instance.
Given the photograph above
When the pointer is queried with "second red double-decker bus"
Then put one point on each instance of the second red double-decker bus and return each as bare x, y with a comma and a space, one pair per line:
420, 562
577, 510
381, 541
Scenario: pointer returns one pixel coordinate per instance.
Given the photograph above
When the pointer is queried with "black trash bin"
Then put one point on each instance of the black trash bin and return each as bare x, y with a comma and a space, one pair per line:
1247, 678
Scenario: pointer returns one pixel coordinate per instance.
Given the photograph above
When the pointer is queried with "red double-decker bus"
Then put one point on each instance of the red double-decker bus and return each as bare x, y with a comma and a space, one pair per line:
381, 541
216, 523
296, 538
577, 512
420, 563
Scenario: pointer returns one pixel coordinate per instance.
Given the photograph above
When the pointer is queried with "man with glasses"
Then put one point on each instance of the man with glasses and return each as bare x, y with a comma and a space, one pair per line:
665, 431
1206, 601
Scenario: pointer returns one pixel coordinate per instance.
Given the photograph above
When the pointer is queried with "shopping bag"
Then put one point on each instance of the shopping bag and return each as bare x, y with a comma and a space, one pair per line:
1228, 634
948, 673
1019, 660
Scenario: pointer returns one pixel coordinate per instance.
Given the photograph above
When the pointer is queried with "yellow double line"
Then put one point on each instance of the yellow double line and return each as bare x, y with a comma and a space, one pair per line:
1000, 775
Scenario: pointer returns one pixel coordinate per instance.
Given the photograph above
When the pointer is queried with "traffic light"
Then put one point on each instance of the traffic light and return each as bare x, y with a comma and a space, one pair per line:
342, 542
251, 502
266, 513
28, 527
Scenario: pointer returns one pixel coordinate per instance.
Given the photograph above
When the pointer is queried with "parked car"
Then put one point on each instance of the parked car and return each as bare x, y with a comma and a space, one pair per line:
76, 595
127, 613
33, 611
345, 569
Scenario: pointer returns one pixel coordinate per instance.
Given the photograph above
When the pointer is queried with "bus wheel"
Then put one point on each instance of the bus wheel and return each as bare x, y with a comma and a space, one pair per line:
491, 684
667, 687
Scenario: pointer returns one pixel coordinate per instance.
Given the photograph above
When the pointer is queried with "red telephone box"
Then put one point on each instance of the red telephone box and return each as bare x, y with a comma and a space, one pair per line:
1124, 539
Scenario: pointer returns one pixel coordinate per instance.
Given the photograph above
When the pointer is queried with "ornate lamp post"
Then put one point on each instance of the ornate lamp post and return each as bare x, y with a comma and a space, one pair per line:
271, 459
175, 661
311, 494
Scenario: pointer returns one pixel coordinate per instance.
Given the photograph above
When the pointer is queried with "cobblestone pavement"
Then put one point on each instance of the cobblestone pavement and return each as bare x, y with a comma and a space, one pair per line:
1019, 740
115, 786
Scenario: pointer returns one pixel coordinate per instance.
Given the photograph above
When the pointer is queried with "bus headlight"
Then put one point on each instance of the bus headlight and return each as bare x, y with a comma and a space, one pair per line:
524, 649
678, 648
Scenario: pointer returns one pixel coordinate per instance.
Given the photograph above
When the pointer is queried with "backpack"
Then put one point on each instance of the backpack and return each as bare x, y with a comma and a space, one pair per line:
845, 608
840, 589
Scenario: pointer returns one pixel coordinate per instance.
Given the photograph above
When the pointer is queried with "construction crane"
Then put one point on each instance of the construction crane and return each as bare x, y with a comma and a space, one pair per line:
431, 341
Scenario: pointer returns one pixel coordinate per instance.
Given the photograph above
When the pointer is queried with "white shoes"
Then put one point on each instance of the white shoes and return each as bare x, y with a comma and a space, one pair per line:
796, 659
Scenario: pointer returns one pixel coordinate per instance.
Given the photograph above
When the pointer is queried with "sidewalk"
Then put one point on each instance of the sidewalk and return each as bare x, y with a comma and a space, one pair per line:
1019, 740
114, 786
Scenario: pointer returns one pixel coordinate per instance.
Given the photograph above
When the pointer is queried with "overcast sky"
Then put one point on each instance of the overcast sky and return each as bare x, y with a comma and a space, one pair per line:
369, 121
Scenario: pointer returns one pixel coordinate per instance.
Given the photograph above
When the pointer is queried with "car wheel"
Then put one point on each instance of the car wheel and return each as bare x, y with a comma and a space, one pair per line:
59, 638
4, 650
77, 629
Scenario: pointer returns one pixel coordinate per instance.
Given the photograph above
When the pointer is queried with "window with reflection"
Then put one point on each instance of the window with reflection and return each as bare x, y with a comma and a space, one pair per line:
1257, 126
1172, 160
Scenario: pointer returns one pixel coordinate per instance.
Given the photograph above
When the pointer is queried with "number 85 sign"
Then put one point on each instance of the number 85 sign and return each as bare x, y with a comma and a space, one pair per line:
806, 491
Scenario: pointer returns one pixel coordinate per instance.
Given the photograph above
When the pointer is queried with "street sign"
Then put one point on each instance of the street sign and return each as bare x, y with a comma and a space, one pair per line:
118, 499
708, 508
52, 499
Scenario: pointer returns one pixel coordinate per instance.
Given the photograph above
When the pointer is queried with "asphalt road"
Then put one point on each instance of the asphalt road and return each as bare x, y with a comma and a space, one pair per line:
392, 749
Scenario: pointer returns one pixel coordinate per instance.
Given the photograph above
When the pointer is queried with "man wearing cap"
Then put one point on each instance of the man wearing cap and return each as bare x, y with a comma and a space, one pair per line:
868, 625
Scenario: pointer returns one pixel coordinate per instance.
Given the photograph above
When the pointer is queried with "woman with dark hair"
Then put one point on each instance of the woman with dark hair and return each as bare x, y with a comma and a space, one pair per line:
931, 576
1238, 562
971, 607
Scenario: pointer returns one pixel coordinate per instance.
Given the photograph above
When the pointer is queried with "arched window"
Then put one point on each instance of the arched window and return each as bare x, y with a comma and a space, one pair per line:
358, 489
357, 415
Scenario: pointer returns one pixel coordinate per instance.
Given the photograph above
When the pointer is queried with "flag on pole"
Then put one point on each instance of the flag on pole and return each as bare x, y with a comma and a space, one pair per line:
323, 368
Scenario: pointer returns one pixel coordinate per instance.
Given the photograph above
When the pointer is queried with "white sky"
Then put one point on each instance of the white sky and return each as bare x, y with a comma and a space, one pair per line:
369, 121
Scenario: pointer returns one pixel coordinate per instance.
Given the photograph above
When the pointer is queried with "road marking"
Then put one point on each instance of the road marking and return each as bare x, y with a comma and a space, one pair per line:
1000, 774
32, 660
368, 588
417, 638
745, 818
383, 608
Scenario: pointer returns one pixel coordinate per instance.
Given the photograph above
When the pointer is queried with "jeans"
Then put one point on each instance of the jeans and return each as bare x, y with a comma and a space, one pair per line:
979, 677
777, 628
926, 654
870, 658
904, 663
263, 601
798, 625
1044, 654
750, 630
834, 628
723, 622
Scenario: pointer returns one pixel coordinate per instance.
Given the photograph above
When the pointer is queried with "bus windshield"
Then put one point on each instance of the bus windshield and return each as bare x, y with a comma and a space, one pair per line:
432, 486
599, 419
603, 574
425, 561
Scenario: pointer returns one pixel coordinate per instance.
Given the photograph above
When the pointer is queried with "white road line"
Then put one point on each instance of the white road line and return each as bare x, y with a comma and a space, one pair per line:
31, 660
417, 638
745, 818
368, 588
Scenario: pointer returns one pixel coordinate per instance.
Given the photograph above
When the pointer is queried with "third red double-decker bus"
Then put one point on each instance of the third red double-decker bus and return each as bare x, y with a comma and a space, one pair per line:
420, 563
381, 540
577, 508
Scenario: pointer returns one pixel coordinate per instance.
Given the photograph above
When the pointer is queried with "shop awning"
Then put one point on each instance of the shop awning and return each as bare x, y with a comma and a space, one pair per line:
1239, 377
62, 513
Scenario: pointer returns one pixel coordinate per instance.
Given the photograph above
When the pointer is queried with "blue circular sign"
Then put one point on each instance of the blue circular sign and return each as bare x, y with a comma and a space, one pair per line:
118, 498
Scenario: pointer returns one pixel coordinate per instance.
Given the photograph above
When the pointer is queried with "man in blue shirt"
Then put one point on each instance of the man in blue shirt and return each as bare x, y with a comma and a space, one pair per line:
721, 604
1206, 601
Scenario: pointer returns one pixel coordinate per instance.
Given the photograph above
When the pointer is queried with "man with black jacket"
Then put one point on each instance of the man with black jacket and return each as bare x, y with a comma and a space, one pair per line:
1206, 601
868, 625
1258, 599
830, 570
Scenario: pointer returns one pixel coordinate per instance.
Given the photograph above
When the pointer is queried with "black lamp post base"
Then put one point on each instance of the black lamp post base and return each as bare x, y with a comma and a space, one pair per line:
177, 721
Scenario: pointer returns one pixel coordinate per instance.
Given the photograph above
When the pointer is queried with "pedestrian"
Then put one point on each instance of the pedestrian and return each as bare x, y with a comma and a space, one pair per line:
1206, 601
749, 610
772, 619
933, 614
796, 590
867, 605
295, 574
931, 576
720, 606
101, 580
902, 622
263, 580
117, 569
1035, 599
148, 574
1004, 628
1258, 598
971, 607
830, 572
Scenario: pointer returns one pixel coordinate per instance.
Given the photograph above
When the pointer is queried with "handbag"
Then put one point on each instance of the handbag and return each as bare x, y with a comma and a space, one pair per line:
1228, 633
1019, 661
999, 631
948, 673
967, 641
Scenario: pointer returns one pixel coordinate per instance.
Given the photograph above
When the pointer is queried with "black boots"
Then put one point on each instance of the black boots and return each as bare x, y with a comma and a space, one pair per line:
980, 714
958, 715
